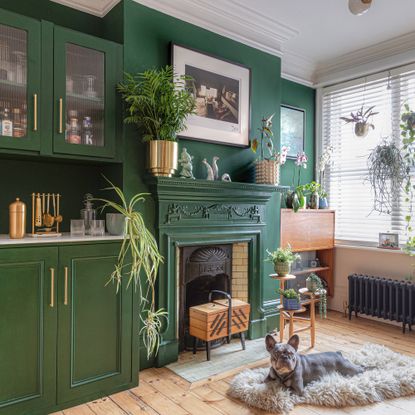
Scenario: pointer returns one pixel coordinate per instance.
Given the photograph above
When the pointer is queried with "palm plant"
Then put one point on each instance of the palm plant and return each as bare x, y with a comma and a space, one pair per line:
158, 102
138, 252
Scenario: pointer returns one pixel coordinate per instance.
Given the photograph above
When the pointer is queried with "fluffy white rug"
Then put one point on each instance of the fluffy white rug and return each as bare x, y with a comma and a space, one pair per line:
388, 375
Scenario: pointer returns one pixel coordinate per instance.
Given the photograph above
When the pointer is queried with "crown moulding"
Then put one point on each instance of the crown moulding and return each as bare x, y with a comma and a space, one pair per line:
97, 8
231, 19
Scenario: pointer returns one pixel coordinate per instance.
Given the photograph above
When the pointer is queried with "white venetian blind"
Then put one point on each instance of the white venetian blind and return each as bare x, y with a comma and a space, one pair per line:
350, 194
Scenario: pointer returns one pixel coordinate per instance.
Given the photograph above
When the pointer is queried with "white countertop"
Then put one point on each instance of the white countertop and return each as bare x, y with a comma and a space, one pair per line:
65, 238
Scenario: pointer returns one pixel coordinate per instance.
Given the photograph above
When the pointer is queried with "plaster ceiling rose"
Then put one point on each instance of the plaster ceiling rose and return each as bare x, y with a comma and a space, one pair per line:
359, 7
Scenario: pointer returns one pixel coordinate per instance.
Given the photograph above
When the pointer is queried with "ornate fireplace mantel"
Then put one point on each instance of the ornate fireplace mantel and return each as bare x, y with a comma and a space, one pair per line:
197, 212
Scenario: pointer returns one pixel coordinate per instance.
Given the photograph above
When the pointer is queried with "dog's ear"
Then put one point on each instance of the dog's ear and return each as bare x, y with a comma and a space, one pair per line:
294, 341
270, 342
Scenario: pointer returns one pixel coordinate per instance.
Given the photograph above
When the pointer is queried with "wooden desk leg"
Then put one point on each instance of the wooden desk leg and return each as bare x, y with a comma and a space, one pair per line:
291, 326
313, 322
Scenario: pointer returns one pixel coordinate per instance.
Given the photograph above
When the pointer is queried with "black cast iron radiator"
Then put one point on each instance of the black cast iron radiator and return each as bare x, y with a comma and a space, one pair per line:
382, 297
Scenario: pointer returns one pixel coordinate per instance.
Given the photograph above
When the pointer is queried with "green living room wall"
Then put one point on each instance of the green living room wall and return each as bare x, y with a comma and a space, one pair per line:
147, 38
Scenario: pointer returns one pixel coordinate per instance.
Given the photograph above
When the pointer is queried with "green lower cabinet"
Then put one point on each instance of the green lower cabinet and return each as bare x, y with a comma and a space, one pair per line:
66, 336
95, 326
28, 318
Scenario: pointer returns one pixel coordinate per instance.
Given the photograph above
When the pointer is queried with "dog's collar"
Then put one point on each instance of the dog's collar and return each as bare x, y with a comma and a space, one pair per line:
286, 377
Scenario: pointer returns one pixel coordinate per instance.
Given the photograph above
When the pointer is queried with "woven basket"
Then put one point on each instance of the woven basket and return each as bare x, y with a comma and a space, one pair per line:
267, 172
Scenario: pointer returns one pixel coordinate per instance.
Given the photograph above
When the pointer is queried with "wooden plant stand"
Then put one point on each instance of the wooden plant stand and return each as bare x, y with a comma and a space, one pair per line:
291, 316
218, 319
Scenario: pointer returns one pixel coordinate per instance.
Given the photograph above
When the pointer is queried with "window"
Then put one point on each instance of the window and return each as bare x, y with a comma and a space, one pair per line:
350, 194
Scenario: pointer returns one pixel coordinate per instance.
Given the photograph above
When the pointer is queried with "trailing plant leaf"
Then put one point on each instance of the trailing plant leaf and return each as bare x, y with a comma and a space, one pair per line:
139, 252
387, 174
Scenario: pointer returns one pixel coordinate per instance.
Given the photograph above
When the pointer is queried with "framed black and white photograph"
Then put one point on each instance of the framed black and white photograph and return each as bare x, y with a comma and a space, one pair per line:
292, 129
222, 93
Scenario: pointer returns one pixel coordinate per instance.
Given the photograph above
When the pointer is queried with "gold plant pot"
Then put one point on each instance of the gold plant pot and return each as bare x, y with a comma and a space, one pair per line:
162, 157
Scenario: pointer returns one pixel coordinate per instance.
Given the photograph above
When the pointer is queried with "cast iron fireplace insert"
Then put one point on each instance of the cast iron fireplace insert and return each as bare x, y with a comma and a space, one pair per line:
202, 269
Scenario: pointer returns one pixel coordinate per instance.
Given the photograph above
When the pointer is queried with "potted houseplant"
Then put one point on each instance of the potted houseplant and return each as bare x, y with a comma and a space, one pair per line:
139, 254
313, 189
282, 259
158, 103
325, 160
296, 199
267, 167
360, 118
315, 285
290, 299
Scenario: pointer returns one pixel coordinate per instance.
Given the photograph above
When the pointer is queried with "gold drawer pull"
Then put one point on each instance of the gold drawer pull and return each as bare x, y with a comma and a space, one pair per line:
34, 112
60, 115
65, 294
52, 287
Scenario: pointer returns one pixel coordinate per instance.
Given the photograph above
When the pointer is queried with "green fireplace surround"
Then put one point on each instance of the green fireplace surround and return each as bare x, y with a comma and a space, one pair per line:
201, 212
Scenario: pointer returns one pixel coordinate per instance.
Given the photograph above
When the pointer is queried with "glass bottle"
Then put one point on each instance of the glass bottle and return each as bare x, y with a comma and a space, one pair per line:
87, 134
17, 123
24, 118
6, 124
74, 135
88, 213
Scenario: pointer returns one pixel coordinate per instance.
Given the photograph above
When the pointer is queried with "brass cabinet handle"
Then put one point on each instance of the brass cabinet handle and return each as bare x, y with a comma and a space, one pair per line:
65, 293
52, 287
34, 112
60, 115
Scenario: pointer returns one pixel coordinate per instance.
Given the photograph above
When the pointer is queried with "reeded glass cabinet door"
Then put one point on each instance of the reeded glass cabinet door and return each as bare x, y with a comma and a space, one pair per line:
19, 82
84, 94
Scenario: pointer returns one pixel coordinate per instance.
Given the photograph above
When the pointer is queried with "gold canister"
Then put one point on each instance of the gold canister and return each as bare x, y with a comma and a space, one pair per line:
17, 219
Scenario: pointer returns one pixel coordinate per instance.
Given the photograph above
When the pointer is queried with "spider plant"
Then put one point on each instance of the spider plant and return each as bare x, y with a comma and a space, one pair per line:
138, 252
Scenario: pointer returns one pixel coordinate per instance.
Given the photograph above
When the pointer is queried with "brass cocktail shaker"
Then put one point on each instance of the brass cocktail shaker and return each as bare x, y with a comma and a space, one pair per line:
17, 219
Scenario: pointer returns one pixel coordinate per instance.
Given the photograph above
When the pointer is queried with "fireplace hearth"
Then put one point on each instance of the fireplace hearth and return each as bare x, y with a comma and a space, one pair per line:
203, 269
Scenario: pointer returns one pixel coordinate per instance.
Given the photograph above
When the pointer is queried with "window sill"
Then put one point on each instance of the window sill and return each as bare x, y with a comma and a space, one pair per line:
370, 248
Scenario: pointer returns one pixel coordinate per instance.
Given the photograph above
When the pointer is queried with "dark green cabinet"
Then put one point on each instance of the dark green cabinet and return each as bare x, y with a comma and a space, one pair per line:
95, 321
66, 336
57, 90
20, 87
28, 317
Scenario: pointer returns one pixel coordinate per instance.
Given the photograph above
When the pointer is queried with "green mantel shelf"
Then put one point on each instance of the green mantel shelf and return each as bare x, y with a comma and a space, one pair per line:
176, 189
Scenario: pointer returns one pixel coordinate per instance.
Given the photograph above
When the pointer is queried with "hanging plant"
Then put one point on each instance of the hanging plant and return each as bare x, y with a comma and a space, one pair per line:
408, 141
360, 119
387, 174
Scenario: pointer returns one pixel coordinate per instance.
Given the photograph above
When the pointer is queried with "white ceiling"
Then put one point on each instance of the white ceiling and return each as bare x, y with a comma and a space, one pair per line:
320, 41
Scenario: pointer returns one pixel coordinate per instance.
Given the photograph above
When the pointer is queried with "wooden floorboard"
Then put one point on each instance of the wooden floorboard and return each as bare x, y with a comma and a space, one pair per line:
162, 392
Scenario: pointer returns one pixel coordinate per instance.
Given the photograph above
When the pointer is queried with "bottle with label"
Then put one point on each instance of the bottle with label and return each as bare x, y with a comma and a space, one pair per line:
87, 134
6, 124
17, 123
24, 118
74, 134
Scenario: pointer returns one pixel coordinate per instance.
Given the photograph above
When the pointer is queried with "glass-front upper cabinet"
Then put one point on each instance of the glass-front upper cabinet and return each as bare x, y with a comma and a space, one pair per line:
19, 82
85, 79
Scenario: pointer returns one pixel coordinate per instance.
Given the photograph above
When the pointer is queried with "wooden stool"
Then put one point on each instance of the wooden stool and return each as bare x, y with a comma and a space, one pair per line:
291, 315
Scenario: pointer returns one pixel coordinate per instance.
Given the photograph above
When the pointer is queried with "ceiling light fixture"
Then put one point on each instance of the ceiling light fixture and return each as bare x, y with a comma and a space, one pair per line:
358, 7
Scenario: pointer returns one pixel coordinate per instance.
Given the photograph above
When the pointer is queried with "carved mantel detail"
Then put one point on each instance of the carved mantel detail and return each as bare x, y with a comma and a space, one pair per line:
178, 212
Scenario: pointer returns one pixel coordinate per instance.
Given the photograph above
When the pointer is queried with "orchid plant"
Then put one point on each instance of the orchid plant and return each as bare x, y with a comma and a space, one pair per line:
296, 199
265, 143
324, 161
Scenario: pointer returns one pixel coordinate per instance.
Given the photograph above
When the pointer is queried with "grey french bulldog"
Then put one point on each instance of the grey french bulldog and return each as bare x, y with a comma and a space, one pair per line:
295, 370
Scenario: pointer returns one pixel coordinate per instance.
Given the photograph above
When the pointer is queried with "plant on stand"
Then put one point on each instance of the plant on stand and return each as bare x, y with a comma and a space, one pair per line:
282, 259
139, 252
296, 199
290, 299
315, 285
267, 167
158, 103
